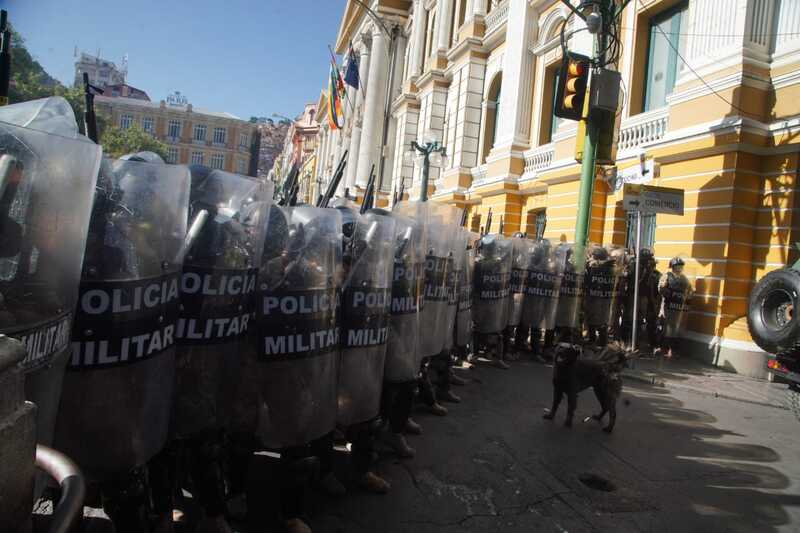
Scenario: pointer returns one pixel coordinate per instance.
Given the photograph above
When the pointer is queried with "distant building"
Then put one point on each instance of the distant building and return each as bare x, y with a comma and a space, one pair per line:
194, 136
102, 72
125, 90
272, 135
301, 138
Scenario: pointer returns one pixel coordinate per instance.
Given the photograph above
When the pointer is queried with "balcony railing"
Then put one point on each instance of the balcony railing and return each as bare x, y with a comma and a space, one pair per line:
642, 129
537, 160
496, 16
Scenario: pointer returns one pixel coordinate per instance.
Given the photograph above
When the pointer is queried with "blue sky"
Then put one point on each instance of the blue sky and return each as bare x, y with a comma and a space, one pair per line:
247, 57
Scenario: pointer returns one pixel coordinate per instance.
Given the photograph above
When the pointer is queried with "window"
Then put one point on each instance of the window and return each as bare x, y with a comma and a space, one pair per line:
554, 120
174, 129
147, 125
199, 132
453, 30
648, 231
172, 155
197, 158
243, 140
475, 225
219, 135
241, 166
536, 223
662, 58
462, 12
430, 24
217, 161
492, 116
125, 121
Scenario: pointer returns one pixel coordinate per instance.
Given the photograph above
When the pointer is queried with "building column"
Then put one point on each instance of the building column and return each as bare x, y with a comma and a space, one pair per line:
478, 7
358, 114
443, 29
391, 135
320, 163
514, 126
369, 148
417, 40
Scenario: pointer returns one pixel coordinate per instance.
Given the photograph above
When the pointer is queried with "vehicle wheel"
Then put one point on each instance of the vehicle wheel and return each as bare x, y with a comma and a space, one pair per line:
770, 312
793, 399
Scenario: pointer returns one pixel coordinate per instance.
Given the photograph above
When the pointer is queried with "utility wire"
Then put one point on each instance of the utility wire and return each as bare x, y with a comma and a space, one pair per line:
783, 34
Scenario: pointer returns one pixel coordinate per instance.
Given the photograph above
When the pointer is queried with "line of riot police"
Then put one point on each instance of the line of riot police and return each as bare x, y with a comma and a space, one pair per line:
177, 322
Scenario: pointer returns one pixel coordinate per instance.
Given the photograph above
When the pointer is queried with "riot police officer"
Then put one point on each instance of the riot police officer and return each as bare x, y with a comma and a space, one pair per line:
649, 299
602, 293
676, 292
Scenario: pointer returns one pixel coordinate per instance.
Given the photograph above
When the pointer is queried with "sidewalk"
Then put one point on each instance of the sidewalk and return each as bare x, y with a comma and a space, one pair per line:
691, 375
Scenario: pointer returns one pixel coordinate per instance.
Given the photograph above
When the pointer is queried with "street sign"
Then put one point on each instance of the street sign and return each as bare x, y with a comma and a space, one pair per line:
651, 199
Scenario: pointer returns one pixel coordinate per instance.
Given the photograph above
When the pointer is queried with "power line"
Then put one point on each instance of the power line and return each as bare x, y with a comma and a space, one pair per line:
782, 34
699, 77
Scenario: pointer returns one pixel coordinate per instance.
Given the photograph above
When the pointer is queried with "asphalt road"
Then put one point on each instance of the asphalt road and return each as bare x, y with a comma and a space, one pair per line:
677, 461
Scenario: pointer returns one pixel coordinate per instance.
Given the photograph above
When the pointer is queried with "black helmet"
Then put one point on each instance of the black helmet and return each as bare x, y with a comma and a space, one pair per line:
348, 221
675, 261
599, 253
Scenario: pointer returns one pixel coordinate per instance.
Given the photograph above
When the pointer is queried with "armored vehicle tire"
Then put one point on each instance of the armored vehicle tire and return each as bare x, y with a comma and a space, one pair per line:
770, 312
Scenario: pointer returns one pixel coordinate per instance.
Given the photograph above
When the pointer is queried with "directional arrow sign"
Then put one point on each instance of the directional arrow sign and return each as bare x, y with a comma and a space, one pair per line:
651, 199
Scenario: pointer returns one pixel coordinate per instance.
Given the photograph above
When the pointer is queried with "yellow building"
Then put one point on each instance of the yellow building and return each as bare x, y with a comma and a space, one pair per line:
193, 136
709, 106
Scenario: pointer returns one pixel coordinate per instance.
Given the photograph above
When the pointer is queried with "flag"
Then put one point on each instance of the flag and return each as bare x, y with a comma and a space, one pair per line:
351, 74
337, 74
334, 101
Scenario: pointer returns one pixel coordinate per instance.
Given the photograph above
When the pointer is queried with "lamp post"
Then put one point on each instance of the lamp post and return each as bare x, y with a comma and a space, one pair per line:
430, 147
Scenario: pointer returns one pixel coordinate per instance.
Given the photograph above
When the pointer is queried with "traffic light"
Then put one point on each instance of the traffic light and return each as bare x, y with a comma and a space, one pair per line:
572, 83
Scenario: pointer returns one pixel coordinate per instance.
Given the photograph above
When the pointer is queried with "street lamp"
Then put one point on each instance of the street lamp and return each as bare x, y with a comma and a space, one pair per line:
430, 149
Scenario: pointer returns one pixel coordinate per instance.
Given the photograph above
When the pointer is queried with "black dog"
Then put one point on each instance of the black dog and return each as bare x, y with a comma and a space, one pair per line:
572, 375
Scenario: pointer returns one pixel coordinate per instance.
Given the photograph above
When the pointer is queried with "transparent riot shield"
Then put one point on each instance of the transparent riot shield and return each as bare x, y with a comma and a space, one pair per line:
366, 304
51, 115
118, 388
519, 264
463, 335
602, 286
47, 183
491, 284
290, 386
218, 288
570, 292
457, 263
434, 266
676, 290
540, 303
402, 352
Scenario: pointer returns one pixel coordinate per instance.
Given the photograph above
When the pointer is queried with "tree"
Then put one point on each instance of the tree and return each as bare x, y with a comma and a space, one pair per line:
117, 142
30, 81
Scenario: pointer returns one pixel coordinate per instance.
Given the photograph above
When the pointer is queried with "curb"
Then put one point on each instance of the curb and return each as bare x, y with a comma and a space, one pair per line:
657, 382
